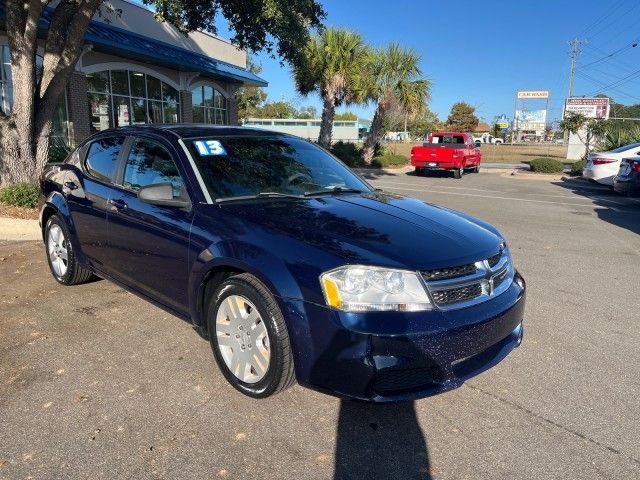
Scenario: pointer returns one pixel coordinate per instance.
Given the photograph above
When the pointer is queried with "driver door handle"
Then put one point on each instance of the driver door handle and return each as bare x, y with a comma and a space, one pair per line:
117, 204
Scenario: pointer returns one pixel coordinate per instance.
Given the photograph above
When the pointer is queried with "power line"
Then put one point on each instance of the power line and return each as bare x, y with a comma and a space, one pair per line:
633, 44
601, 18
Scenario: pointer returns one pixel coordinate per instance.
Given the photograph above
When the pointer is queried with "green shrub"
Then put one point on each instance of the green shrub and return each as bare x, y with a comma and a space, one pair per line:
389, 161
546, 165
577, 167
382, 150
58, 152
349, 153
20, 195
617, 135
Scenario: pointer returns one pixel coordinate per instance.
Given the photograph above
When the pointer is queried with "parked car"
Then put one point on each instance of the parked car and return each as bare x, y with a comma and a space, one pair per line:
627, 182
487, 138
603, 166
454, 151
292, 265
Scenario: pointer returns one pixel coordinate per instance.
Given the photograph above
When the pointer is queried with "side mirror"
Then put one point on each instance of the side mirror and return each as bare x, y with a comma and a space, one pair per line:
162, 194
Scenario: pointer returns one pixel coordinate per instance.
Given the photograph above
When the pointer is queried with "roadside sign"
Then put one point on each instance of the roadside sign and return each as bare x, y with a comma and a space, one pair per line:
503, 125
533, 94
589, 107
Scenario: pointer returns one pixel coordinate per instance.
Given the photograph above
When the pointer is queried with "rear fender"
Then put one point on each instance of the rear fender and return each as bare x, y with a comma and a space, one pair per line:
56, 204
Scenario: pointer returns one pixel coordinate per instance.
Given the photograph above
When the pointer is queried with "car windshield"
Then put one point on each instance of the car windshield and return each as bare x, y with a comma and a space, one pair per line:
245, 166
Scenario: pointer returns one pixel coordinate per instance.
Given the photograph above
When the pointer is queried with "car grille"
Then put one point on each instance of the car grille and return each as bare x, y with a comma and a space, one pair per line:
456, 287
456, 295
453, 272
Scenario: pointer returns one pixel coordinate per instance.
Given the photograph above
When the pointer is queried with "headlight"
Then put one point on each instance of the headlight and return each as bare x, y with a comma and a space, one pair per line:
358, 288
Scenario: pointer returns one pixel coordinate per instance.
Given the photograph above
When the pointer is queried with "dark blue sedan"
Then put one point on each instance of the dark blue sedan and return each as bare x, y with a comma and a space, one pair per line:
292, 265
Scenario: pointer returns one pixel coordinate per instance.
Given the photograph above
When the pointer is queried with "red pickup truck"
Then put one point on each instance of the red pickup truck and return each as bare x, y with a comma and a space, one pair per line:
447, 151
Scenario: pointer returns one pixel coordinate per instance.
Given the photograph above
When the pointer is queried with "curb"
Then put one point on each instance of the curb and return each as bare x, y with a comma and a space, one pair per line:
16, 229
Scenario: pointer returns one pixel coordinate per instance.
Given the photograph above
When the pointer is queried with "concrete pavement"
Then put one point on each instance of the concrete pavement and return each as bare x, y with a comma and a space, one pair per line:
96, 383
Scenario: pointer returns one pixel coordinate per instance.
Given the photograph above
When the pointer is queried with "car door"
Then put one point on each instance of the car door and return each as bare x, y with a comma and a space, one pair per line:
88, 191
149, 243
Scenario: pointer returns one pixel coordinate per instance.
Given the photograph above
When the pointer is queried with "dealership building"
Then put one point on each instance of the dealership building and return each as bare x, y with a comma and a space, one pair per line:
135, 70
343, 130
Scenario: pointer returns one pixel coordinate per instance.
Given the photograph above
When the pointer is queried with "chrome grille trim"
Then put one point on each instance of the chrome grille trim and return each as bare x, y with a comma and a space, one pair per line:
492, 277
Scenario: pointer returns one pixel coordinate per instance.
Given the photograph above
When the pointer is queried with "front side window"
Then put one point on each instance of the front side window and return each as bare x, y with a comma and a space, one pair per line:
102, 157
149, 163
118, 98
246, 166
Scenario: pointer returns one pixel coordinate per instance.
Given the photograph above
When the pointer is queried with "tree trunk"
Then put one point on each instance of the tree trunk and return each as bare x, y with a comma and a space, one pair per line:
25, 132
326, 125
373, 138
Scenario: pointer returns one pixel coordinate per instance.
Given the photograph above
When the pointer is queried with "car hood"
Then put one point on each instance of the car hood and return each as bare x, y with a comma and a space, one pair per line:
377, 228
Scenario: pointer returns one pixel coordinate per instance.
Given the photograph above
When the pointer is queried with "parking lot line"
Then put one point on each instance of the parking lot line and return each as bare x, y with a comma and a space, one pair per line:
531, 200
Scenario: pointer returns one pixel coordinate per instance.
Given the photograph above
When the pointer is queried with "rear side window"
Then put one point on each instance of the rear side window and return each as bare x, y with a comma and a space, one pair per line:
102, 157
450, 139
150, 163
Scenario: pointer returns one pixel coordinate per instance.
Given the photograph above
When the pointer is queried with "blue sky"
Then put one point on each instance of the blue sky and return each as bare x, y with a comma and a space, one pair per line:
482, 52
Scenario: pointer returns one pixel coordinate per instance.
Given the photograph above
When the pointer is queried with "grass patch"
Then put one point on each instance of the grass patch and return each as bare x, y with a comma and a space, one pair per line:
389, 160
546, 165
20, 195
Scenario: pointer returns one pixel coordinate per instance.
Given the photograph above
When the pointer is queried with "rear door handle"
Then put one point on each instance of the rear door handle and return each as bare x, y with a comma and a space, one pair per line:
117, 204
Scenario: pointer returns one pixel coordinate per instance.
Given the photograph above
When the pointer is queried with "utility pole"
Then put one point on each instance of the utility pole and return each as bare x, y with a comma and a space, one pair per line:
575, 45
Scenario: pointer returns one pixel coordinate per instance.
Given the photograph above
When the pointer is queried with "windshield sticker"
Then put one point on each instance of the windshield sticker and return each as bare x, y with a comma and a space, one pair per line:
209, 147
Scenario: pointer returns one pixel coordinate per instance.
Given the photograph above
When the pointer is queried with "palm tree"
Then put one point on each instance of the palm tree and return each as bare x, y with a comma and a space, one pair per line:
394, 82
332, 65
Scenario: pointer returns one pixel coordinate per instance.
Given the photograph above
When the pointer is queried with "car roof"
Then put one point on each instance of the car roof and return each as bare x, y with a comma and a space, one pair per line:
186, 130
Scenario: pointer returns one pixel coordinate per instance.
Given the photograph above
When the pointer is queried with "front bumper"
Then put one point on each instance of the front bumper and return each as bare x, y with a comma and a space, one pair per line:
394, 356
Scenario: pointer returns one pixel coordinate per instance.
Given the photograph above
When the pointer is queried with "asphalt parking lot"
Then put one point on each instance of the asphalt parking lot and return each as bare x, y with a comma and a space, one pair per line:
96, 383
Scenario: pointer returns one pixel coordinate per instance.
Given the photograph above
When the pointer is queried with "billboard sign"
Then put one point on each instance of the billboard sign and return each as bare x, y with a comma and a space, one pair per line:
533, 94
589, 107
531, 116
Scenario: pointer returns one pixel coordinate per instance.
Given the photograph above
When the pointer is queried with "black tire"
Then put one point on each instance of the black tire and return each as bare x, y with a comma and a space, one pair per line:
280, 373
477, 169
419, 171
75, 272
458, 173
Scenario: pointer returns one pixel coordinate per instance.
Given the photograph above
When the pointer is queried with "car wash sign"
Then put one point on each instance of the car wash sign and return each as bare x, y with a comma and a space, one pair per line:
528, 94
589, 107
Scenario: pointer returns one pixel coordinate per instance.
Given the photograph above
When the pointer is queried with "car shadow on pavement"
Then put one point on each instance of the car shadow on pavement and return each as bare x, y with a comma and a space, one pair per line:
615, 209
380, 441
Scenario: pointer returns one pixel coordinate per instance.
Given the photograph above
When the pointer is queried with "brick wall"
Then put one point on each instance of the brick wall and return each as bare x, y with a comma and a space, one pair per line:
78, 108
187, 106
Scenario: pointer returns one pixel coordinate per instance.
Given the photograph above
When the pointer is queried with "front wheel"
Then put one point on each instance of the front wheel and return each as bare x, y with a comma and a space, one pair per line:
60, 255
458, 173
249, 337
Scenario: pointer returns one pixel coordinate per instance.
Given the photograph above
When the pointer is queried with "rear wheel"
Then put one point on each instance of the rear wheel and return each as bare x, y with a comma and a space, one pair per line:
419, 171
60, 255
249, 337
458, 173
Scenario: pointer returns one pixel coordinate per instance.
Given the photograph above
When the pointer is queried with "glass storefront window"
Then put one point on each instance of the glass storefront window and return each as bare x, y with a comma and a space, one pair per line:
119, 82
209, 105
121, 111
138, 88
126, 97
99, 111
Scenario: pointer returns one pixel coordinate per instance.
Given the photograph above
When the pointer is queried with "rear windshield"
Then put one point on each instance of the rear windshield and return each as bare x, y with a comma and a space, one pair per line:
450, 139
626, 147
243, 166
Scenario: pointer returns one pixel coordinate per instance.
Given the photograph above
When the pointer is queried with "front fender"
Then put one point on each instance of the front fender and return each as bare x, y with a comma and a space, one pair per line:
239, 257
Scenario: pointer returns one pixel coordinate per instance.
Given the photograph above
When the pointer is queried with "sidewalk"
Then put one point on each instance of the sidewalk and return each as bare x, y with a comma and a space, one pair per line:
15, 229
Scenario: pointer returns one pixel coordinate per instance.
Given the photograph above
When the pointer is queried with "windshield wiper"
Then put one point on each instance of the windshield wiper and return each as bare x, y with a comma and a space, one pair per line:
333, 189
257, 195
